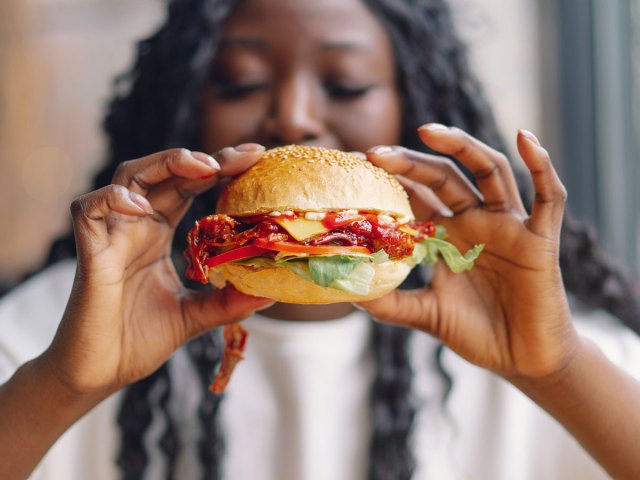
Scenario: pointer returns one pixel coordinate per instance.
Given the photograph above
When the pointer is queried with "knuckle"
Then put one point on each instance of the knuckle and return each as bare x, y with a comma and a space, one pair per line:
460, 133
440, 182
121, 169
486, 172
501, 160
562, 194
77, 207
174, 155
466, 140
115, 190
544, 154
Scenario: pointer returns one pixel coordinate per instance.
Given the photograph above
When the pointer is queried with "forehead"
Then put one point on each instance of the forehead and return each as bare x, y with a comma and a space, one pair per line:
302, 24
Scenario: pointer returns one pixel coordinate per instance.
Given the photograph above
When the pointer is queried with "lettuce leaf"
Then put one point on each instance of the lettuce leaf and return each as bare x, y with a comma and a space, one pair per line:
351, 274
354, 274
455, 260
325, 270
358, 281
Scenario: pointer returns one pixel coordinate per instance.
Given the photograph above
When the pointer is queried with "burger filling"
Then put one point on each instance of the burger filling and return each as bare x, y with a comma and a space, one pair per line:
331, 249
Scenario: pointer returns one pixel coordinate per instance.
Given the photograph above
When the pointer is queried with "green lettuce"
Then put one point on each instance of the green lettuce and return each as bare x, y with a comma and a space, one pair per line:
354, 273
432, 248
326, 270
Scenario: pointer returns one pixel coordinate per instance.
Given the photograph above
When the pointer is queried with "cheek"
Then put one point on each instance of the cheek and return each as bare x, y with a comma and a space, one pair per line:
375, 120
229, 123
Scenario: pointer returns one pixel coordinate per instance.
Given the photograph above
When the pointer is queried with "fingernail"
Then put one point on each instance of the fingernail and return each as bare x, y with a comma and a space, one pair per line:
433, 127
207, 177
231, 153
206, 159
141, 202
381, 150
249, 148
445, 212
530, 136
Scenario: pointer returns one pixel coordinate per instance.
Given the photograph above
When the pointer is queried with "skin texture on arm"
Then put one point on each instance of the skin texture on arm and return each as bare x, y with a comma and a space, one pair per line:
128, 311
510, 314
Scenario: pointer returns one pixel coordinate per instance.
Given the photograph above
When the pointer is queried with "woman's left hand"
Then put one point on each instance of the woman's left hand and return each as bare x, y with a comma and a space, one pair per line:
510, 312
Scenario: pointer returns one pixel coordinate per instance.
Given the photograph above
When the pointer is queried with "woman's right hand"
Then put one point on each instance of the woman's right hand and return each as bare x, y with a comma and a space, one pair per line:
128, 310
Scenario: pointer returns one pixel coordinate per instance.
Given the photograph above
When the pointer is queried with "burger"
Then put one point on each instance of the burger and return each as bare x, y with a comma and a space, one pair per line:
311, 225
314, 225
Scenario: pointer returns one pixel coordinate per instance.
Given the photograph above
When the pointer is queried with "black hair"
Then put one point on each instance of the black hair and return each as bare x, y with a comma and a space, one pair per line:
156, 107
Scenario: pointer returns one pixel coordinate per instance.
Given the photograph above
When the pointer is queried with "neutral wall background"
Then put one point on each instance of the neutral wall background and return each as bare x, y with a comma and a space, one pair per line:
57, 59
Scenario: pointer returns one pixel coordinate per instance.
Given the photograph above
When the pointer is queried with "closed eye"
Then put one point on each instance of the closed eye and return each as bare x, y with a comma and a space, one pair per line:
232, 90
346, 92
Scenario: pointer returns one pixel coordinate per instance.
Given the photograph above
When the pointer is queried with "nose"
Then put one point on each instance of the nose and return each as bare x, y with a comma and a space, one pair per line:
296, 114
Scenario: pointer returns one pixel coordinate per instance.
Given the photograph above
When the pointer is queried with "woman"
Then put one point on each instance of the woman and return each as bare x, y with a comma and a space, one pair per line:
350, 75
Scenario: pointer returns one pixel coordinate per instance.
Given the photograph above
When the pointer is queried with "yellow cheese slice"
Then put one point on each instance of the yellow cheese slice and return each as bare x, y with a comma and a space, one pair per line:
301, 228
407, 229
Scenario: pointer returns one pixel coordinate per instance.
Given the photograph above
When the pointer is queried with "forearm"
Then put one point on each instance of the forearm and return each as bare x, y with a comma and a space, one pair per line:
35, 410
599, 404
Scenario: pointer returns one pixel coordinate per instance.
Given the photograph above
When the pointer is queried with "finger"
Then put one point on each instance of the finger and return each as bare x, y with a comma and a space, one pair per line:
89, 212
550, 193
142, 174
235, 160
407, 308
172, 198
490, 168
207, 310
425, 204
437, 173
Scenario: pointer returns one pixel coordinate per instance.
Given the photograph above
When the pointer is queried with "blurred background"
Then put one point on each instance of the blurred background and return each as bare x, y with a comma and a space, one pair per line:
568, 71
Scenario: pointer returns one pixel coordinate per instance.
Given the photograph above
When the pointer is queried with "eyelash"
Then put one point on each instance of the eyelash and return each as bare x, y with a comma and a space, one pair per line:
232, 91
341, 92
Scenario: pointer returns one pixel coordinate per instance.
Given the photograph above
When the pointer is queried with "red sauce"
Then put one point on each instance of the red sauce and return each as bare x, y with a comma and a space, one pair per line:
217, 233
424, 229
365, 229
333, 220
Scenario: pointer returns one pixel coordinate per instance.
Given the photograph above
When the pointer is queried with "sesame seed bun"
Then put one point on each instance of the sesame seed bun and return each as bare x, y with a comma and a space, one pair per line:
313, 179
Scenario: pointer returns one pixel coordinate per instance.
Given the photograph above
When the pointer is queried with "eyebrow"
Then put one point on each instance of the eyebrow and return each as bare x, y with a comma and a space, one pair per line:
346, 45
254, 43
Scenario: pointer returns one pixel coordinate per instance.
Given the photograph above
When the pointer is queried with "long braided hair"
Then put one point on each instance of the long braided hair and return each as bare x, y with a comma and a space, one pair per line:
156, 107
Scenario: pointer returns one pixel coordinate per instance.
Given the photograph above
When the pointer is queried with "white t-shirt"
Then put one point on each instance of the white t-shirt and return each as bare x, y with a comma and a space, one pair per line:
297, 407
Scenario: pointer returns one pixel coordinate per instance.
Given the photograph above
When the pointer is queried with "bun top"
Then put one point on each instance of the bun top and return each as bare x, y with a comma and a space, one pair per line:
313, 179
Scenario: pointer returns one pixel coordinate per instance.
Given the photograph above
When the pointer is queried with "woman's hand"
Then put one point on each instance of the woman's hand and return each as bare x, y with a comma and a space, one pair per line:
128, 310
510, 312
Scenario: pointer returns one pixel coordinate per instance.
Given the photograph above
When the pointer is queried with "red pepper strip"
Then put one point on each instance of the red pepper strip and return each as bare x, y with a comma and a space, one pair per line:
235, 254
292, 247
235, 339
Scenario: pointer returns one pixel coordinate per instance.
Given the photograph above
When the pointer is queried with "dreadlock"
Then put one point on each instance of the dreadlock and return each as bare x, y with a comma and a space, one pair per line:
155, 106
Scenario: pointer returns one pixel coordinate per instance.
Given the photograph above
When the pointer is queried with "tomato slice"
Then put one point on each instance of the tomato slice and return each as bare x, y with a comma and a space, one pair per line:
236, 254
291, 247
340, 219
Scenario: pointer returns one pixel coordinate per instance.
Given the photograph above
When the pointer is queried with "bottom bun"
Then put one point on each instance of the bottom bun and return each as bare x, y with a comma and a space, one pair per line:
283, 285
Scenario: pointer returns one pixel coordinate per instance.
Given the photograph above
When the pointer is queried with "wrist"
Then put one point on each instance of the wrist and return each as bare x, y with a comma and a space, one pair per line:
46, 375
572, 371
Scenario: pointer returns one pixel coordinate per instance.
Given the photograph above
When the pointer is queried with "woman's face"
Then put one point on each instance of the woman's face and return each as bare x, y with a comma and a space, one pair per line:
316, 72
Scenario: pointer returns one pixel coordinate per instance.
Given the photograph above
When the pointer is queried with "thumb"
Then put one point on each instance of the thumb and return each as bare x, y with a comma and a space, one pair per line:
409, 308
203, 311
